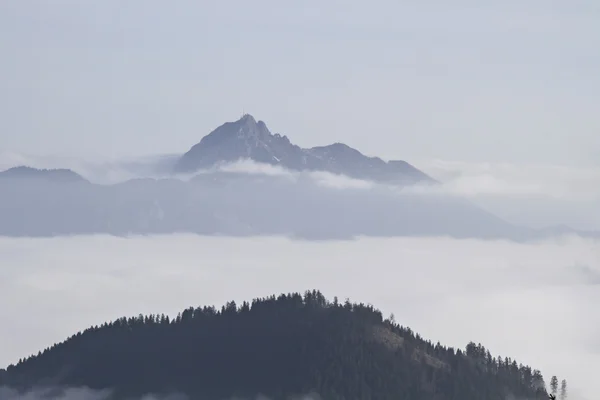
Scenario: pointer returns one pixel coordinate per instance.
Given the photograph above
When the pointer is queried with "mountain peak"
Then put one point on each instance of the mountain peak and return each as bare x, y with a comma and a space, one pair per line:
244, 128
248, 139
247, 118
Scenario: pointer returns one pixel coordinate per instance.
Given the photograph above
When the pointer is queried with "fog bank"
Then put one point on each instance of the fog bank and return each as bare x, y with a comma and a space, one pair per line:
534, 302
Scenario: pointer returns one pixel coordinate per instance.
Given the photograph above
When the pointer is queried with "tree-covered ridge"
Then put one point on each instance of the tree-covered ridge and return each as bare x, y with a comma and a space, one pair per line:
277, 346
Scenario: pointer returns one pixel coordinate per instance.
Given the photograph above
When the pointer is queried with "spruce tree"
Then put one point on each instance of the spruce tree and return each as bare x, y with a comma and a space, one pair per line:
563, 390
553, 385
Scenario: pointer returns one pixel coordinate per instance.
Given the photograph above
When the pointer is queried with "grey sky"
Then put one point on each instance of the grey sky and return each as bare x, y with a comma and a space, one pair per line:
501, 81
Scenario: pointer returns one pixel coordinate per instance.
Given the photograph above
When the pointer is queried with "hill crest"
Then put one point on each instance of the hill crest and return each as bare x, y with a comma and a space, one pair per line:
278, 346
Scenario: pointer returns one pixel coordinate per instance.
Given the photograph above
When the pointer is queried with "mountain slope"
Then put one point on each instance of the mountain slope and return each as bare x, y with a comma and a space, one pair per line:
279, 347
247, 138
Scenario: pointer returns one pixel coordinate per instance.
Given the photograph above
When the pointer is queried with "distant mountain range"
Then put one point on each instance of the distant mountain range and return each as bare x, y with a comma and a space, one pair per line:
239, 204
214, 201
248, 139
230, 203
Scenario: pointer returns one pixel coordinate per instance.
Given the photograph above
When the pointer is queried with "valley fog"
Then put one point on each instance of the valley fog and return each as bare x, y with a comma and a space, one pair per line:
534, 302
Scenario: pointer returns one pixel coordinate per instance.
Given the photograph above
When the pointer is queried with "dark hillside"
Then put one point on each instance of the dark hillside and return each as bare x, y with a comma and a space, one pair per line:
277, 346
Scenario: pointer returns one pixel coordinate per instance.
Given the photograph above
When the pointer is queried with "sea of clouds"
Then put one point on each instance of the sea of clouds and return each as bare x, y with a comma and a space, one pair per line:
535, 302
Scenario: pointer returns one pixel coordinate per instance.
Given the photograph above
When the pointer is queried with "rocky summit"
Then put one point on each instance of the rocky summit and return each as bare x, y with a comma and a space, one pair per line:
247, 138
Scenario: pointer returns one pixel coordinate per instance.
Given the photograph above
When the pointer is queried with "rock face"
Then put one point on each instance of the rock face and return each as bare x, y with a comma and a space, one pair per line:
247, 138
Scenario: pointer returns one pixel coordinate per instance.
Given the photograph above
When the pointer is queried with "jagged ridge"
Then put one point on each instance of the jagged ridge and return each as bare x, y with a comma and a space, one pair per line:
247, 138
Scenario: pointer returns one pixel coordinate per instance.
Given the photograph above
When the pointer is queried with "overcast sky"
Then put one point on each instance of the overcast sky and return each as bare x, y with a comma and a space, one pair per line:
506, 81
469, 90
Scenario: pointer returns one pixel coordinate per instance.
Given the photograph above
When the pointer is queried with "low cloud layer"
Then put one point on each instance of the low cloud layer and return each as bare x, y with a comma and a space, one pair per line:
460, 178
532, 195
537, 196
322, 178
535, 302
85, 393
478, 179
56, 394
102, 170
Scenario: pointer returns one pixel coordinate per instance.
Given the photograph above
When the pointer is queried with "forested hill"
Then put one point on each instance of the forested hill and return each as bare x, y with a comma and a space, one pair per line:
292, 344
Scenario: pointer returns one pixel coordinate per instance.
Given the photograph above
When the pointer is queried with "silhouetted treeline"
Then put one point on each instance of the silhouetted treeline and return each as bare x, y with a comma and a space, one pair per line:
276, 346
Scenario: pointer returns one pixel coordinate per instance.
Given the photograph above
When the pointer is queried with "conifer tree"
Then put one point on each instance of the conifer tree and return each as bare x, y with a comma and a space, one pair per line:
563, 390
553, 385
